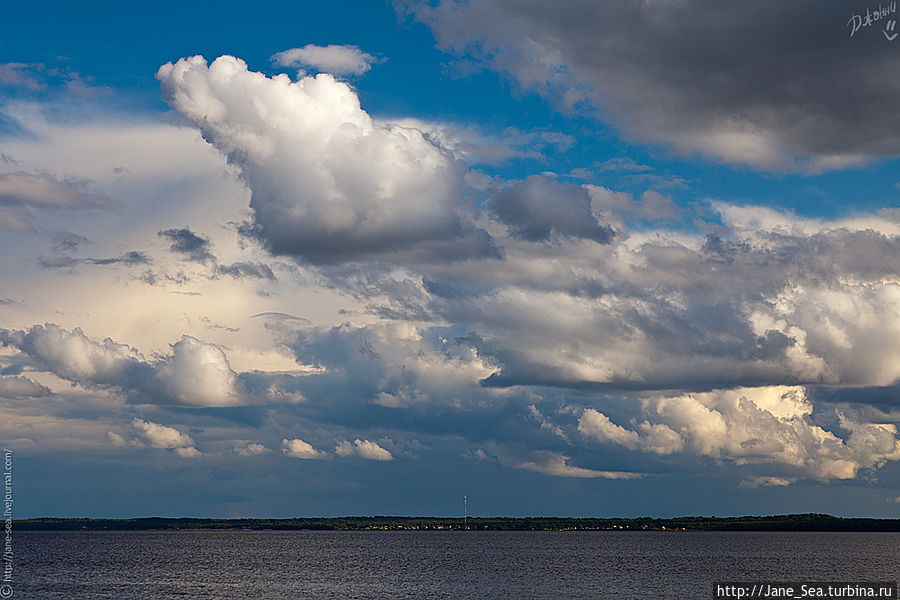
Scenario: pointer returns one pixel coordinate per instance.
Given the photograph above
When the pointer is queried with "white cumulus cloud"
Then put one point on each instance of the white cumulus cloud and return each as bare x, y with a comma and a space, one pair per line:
768, 426
328, 182
195, 373
297, 448
334, 59
161, 436
363, 449
198, 373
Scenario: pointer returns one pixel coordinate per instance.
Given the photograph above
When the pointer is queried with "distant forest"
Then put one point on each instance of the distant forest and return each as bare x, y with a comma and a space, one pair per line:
798, 522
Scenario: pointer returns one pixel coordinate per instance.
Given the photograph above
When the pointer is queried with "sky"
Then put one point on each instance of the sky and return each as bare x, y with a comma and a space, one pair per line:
364, 258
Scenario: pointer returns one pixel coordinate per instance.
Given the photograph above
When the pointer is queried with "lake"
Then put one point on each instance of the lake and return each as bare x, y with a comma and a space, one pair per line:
291, 565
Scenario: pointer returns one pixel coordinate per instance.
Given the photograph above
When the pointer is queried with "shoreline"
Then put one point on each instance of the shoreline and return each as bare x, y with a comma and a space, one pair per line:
789, 523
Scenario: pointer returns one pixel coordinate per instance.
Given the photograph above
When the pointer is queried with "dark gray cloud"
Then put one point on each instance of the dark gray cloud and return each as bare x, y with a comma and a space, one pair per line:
198, 248
66, 242
58, 262
246, 270
768, 84
540, 205
885, 396
184, 241
130, 258
151, 277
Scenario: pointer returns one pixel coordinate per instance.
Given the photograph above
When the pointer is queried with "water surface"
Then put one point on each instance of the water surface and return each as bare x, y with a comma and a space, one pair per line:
279, 565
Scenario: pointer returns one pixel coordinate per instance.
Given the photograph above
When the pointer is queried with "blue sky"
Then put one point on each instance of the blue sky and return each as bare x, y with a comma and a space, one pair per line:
363, 258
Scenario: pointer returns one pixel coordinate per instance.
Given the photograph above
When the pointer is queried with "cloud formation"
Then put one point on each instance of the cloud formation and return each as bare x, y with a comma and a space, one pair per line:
197, 248
17, 386
753, 84
46, 191
789, 303
446, 297
540, 205
59, 261
328, 182
251, 449
169, 438
751, 426
19, 74
363, 449
297, 448
476, 146
194, 374
333, 59
464, 303
23, 193
184, 241
585, 290
557, 465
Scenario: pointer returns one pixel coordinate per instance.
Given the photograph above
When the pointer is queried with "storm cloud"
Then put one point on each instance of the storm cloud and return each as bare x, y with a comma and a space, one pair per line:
779, 87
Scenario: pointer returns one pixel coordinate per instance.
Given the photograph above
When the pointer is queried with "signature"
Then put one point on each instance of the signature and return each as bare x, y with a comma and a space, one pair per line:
872, 16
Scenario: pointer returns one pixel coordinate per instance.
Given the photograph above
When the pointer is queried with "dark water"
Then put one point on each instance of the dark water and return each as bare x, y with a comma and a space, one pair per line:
497, 565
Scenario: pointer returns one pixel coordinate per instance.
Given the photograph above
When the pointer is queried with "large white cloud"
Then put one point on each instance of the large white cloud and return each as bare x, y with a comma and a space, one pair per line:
567, 312
663, 310
814, 303
574, 299
395, 365
194, 374
328, 182
770, 426
198, 373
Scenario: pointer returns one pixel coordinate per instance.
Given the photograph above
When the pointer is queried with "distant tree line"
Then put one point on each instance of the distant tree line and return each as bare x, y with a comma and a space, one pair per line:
796, 522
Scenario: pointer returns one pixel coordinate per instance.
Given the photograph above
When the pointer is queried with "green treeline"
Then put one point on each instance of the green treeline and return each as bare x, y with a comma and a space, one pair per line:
798, 522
